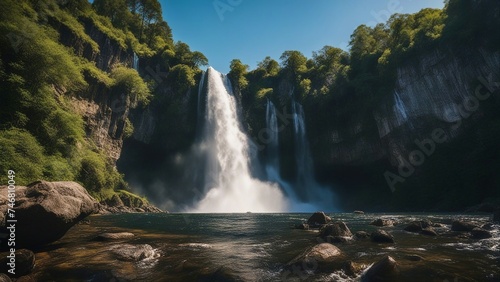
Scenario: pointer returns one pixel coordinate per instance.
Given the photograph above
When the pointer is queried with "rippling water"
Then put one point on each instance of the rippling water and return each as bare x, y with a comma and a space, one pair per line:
255, 247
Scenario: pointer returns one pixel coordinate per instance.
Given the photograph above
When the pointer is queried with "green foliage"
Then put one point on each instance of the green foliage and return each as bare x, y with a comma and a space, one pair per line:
237, 73
21, 152
128, 82
264, 92
182, 77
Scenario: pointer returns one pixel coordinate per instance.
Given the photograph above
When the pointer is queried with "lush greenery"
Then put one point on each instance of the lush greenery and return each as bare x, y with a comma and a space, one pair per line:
48, 53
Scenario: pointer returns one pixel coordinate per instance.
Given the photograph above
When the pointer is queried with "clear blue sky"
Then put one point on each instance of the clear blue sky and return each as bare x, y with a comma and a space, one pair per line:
250, 30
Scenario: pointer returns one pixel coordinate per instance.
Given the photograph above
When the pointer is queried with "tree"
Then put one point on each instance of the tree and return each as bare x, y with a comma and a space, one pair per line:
271, 67
238, 72
294, 62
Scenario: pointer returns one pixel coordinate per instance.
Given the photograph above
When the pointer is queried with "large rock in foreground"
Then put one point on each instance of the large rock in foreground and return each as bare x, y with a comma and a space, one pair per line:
23, 264
45, 211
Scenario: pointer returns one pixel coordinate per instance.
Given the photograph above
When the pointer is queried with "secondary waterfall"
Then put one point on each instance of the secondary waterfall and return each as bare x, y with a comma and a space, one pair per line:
135, 62
229, 186
311, 192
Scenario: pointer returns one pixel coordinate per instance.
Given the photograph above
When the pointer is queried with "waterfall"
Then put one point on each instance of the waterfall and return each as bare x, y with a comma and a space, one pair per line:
308, 189
229, 186
135, 63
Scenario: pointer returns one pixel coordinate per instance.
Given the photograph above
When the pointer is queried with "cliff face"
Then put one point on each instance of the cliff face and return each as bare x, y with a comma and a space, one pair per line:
104, 113
440, 89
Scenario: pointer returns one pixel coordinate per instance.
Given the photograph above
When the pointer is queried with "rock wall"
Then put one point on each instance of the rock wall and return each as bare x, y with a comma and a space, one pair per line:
435, 90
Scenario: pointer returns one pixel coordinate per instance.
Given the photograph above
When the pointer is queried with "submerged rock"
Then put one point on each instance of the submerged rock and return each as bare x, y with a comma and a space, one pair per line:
362, 235
302, 226
221, 274
45, 211
128, 252
479, 233
414, 227
462, 226
324, 256
114, 236
382, 222
359, 212
381, 236
414, 257
429, 231
384, 270
24, 263
318, 219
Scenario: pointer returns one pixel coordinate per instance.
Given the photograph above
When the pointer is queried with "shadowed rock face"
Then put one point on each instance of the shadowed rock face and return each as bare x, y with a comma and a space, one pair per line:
45, 211
384, 270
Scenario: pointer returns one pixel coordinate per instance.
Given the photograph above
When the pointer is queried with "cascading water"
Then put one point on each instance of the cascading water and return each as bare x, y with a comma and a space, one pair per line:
312, 192
135, 63
229, 186
273, 162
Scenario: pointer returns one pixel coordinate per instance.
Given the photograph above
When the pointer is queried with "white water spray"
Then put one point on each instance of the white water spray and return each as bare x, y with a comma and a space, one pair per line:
229, 186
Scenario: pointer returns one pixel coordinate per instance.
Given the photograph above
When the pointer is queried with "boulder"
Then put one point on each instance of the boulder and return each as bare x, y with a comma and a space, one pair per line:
336, 239
318, 219
114, 236
128, 252
362, 235
382, 222
380, 236
24, 264
335, 229
45, 211
302, 226
479, 233
351, 268
414, 257
414, 227
384, 270
429, 231
359, 212
462, 226
323, 257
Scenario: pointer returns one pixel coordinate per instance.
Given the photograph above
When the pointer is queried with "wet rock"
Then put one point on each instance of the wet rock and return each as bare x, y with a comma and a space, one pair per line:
335, 229
414, 257
362, 235
302, 226
4, 278
24, 263
479, 233
462, 226
114, 236
414, 227
487, 226
324, 256
381, 236
128, 252
318, 219
382, 222
384, 270
429, 231
351, 268
45, 211
222, 274
359, 212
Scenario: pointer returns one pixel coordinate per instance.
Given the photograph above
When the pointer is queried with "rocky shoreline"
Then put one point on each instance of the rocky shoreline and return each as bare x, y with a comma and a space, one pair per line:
327, 254
47, 210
